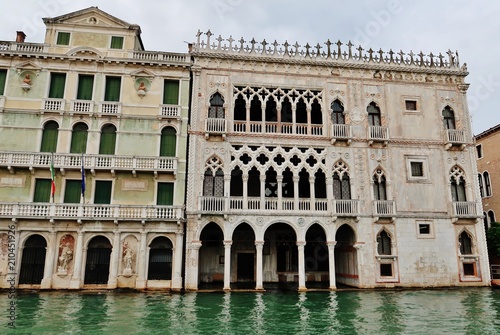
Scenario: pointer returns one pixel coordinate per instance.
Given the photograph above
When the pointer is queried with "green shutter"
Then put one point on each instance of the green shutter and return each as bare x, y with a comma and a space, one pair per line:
42, 190
112, 92
63, 38
102, 193
3, 78
171, 92
79, 139
72, 192
57, 82
116, 42
108, 140
165, 195
168, 142
85, 87
49, 137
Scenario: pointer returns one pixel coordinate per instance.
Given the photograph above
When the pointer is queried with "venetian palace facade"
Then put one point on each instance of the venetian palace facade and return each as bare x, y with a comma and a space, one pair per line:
90, 96
238, 165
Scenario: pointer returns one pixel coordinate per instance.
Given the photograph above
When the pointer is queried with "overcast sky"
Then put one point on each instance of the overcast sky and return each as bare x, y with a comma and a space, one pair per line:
470, 27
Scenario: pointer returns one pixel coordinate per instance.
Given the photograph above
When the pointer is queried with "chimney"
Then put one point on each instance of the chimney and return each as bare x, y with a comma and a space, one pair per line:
20, 37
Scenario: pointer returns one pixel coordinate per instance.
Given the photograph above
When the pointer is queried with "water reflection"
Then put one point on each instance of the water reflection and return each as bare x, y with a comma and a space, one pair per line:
454, 311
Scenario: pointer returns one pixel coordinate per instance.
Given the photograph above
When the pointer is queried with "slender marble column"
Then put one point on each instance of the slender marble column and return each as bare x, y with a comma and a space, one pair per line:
49, 261
140, 282
192, 265
177, 275
259, 246
302, 267
227, 264
115, 258
331, 264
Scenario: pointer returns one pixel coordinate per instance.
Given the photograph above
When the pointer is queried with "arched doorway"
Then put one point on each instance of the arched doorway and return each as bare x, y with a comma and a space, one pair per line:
211, 257
243, 256
346, 262
160, 259
316, 258
281, 257
98, 259
33, 261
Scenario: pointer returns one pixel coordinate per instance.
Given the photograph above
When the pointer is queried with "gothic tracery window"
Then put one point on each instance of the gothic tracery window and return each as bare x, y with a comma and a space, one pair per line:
448, 118
341, 181
337, 112
216, 109
379, 185
213, 180
384, 243
457, 183
373, 114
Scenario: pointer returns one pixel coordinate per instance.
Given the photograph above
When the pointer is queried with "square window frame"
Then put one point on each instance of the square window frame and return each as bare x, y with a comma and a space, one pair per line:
63, 32
479, 149
425, 169
431, 229
111, 42
417, 100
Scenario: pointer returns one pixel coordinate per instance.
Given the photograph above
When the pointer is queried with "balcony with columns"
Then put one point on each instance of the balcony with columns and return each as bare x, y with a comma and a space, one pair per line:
85, 212
53, 105
341, 132
65, 161
378, 134
384, 210
215, 126
465, 210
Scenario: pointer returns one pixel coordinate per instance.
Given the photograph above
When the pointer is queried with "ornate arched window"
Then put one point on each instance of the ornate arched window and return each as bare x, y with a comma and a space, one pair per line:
384, 243
373, 114
216, 109
379, 185
448, 118
337, 112
457, 183
213, 181
341, 181
491, 216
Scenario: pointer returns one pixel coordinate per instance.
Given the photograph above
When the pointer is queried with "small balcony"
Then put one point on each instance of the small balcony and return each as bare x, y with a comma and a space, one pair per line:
455, 137
112, 163
384, 209
378, 134
170, 111
215, 126
346, 207
82, 107
53, 105
80, 212
110, 108
464, 210
341, 132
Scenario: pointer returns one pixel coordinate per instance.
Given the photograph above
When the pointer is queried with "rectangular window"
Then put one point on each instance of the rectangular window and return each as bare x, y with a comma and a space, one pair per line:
469, 269
411, 105
116, 42
385, 270
113, 87
3, 79
165, 196
57, 83
171, 92
42, 190
102, 193
73, 191
85, 87
63, 38
479, 147
417, 169
424, 229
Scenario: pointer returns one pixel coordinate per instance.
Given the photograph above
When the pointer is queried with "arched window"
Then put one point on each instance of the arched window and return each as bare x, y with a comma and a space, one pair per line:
216, 109
337, 112
79, 138
341, 181
240, 109
255, 109
448, 118
373, 114
487, 184
316, 115
457, 183
168, 142
465, 243
384, 243
271, 111
49, 137
236, 184
480, 180
379, 185
33, 260
491, 216
213, 181
108, 140
301, 111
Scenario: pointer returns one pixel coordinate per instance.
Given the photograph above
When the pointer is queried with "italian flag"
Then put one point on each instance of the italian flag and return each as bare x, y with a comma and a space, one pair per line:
52, 177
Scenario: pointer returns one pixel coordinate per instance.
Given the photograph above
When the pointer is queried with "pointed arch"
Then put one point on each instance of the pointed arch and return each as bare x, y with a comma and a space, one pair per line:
457, 184
216, 109
213, 181
384, 243
374, 114
448, 117
337, 112
341, 181
465, 241
379, 184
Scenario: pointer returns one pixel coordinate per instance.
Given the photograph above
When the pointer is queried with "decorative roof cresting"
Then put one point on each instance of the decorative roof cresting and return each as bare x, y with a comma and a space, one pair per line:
331, 51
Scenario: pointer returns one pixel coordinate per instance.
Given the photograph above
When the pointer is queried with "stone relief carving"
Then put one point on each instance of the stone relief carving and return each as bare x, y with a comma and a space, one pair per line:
66, 247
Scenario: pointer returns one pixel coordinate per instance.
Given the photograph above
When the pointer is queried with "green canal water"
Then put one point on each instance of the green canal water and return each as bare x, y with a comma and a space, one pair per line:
451, 311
